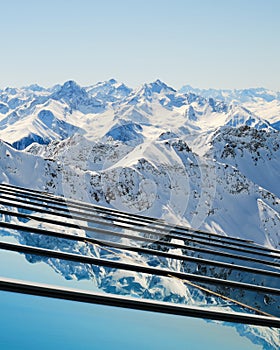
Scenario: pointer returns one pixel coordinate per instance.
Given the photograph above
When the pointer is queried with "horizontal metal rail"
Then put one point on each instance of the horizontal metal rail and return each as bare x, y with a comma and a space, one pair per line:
51, 291
136, 238
124, 221
106, 211
32, 207
77, 202
114, 212
130, 223
170, 232
136, 268
151, 252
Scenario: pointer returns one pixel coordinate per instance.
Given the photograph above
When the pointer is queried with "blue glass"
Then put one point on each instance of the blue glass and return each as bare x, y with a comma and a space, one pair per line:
29, 323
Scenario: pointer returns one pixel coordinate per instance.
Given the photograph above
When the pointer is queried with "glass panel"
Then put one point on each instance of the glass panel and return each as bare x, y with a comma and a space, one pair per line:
46, 323
29, 322
16, 266
112, 280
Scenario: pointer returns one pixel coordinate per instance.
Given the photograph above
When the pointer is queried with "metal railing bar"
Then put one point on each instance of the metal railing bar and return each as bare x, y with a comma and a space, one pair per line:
172, 233
136, 268
51, 291
119, 213
105, 223
137, 238
151, 252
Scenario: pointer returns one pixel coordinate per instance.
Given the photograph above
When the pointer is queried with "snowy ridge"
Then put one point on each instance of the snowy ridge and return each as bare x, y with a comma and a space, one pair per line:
261, 101
154, 105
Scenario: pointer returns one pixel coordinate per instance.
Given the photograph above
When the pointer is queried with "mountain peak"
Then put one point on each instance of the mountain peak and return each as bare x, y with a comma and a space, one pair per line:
158, 85
112, 81
110, 90
34, 87
240, 95
155, 87
69, 89
70, 85
77, 98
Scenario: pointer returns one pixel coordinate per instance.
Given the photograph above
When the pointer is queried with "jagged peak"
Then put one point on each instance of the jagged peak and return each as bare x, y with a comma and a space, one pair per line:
112, 81
147, 90
69, 89
71, 84
157, 86
11, 90
34, 87
111, 84
241, 95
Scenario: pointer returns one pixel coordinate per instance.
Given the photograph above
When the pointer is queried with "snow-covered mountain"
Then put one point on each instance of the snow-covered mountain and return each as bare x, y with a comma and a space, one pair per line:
154, 150
263, 102
240, 95
109, 91
190, 157
69, 108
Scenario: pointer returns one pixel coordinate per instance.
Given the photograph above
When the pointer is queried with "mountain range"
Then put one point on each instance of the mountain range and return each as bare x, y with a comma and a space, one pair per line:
201, 160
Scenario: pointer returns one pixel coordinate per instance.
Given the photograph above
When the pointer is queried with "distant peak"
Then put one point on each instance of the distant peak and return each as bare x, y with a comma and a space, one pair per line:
71, 87
157, 86
112, 81
158, 82
11, 91
70, 84
34, 87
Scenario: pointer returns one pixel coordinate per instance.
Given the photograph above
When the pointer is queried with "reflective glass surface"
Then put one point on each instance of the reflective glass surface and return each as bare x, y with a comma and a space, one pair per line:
29, 322
32, 322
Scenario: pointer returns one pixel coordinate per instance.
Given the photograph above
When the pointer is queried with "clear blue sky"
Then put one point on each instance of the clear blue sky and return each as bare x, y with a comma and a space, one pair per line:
205, 43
